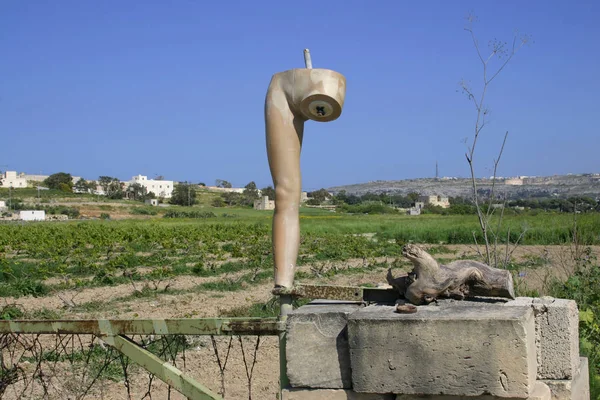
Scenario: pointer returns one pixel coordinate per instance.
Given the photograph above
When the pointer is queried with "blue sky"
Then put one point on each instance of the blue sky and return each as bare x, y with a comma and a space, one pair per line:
177, 88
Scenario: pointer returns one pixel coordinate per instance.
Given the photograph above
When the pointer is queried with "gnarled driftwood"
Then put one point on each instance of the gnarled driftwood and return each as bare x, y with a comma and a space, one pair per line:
459, 279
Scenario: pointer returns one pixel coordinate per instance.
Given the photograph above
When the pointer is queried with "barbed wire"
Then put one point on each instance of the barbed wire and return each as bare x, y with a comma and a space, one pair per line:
83, 366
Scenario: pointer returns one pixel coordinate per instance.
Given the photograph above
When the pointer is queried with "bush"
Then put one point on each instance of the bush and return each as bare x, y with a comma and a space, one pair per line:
24, 287
11, 311
104, 277
71, 212
63, 187
143, 211
104, 216
190, 214
218, 202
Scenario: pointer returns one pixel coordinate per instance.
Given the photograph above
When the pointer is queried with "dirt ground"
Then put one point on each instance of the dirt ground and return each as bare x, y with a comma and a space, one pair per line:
537, 265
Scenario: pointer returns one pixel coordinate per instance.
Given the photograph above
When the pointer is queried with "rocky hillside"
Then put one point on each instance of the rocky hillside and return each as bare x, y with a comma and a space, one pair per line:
523, 187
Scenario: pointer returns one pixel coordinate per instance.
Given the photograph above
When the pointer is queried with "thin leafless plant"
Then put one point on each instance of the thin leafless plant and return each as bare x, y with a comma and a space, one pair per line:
495, 253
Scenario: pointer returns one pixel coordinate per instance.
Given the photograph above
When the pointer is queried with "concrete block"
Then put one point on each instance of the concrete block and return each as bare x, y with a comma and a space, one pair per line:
317, 346
577, 388
540, 392
331, 394
456, 348
557, 336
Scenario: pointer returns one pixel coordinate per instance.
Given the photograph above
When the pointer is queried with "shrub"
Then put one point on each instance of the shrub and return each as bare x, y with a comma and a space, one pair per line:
24, 287
190, 214
104, 277
143, 211
11, 311
63, 187
218, 202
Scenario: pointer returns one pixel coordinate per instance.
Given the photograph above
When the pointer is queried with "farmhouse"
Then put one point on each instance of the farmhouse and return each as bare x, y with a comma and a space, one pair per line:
435, 200
11, 179
160, 188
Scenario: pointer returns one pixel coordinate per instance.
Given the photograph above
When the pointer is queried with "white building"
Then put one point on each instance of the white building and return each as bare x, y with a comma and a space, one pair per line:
2, 205
32, 215
11, 179
159, 188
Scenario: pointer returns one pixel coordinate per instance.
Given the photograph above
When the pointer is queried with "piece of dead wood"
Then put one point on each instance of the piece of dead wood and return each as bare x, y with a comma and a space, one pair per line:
429, 280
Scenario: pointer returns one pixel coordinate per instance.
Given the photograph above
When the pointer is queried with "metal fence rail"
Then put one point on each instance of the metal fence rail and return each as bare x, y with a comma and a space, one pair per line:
177, 326
20, 341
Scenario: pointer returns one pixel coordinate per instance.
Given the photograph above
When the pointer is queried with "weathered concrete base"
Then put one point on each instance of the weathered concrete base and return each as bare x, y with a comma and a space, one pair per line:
540, 392
577, 388
485, 349
557, 336
332, 394
317, 346
455, 348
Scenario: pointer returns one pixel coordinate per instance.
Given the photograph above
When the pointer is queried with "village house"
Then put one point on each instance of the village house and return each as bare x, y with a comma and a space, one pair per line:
435, 200
160, 188
12, 180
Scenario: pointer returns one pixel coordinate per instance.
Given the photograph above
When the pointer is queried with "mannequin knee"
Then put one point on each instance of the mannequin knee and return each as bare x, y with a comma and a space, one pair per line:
287, 193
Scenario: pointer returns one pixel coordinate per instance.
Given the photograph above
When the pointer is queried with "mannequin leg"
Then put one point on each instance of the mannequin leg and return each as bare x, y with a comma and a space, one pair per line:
284, 133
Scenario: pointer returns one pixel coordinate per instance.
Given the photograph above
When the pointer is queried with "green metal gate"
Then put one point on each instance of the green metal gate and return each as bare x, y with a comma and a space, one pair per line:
116, 334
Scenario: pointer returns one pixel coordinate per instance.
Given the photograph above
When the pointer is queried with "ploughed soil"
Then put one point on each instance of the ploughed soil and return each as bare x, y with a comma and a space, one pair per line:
537, 267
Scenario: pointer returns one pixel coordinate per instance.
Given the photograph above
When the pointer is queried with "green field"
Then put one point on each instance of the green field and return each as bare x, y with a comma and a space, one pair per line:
231, 249
33, 252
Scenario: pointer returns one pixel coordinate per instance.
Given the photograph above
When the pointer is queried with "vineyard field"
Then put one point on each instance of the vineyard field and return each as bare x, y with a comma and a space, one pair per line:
219, 264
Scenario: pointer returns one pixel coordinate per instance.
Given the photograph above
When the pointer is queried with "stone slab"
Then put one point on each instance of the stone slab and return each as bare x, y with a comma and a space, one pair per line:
540, 392
317, 346
577, 388
557, 336
331, 394
455, 348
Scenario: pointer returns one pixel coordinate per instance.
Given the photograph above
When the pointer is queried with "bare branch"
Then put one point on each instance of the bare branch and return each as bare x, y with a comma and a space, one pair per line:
475, 44
499, 49
496, 162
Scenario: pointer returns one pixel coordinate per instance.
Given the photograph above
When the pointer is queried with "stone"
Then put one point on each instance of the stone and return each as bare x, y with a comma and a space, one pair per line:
317, 346
462, 348
540, 392
577, 388
557, 336
331, 394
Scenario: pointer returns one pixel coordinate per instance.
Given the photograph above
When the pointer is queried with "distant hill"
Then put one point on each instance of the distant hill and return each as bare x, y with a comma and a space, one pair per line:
521, 187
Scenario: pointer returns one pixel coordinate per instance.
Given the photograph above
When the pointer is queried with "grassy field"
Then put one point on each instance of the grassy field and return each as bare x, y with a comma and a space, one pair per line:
145, 265
542, 229
38, 251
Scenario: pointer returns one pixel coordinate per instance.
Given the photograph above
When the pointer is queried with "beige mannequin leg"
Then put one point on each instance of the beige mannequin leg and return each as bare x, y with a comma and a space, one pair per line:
293, 97
284, 140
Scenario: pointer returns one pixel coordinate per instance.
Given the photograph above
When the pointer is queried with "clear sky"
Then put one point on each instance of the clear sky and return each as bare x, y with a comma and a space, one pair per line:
176, 88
